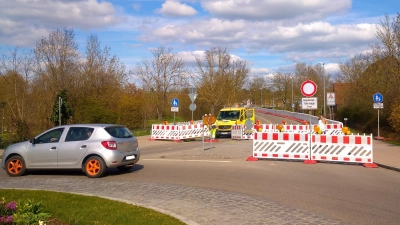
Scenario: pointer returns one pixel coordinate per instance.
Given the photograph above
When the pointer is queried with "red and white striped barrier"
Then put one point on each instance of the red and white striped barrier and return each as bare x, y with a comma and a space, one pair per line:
351, 148
190, 131
237, 132
176, 132
295, 128
165, 132
281, 145
334, 148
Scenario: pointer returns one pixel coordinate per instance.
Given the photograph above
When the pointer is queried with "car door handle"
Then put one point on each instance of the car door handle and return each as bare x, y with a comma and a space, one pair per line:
83, 146
53, 148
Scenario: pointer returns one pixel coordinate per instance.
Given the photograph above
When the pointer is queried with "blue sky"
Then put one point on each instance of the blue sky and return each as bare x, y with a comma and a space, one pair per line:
272, 35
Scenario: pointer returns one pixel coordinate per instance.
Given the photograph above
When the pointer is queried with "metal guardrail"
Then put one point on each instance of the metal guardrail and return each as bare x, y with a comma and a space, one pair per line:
301, 116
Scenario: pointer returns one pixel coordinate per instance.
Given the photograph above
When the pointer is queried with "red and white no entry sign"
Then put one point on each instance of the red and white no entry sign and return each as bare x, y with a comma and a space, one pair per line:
308, 88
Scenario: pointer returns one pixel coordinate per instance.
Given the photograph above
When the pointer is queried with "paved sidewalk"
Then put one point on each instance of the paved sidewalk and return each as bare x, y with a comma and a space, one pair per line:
386, 155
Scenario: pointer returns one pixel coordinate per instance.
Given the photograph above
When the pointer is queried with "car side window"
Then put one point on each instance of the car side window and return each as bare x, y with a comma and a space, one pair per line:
79, 133
51, 136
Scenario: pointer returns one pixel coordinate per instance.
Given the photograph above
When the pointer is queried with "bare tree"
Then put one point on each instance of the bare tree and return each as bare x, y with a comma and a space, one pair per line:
220, 77
160, 74
16, 71
57, 58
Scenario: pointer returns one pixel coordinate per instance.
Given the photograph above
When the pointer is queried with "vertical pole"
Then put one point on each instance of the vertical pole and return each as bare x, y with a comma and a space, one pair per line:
202, 118
2, 122
59, 110
261, 98
323, 76
309, 138
378, 124
292, 97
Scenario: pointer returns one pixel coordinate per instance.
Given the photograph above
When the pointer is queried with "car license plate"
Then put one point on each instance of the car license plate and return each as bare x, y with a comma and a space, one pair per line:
224, 132
130, 157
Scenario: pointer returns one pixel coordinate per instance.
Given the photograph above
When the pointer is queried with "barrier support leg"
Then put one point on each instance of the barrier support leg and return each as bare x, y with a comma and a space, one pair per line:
310, 161
370, 165
251, 158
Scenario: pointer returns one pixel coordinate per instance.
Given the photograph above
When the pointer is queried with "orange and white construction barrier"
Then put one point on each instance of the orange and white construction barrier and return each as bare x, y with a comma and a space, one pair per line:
350, 148
176, 132
281, 145
313, 147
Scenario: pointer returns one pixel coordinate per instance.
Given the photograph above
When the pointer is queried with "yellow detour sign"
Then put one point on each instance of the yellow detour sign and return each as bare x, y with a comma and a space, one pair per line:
208, 120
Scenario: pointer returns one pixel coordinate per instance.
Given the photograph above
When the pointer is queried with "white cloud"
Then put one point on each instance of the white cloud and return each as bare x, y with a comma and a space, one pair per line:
303, 41
275, 9
176, 9
23, 22
260, 72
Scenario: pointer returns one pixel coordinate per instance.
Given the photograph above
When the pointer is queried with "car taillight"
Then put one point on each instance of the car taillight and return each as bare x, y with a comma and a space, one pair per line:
112, 145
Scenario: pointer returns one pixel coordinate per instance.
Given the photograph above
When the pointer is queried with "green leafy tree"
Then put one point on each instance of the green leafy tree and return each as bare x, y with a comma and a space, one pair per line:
64, 110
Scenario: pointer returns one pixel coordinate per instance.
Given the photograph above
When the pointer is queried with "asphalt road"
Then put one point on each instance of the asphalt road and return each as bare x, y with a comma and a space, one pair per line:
214, 184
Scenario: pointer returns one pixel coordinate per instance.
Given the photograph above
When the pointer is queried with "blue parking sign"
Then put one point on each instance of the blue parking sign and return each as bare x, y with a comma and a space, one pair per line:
378, 98
175, 102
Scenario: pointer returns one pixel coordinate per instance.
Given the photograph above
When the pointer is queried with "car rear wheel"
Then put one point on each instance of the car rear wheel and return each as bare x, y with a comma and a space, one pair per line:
95, 167
15, 166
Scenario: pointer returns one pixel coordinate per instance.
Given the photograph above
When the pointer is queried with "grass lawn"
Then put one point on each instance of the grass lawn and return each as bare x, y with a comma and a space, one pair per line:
71, 209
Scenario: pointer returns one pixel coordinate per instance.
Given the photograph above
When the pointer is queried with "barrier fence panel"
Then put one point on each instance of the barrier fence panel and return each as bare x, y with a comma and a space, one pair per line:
281, 145
237, 132
165, 132
268, 128
296, 128
190, 131
349, 148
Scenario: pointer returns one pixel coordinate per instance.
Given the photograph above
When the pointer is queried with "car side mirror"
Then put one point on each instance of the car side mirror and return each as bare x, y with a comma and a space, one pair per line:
33, 141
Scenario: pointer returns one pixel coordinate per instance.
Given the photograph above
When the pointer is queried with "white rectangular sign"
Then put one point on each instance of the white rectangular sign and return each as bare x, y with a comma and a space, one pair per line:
174, 109
309, 103
378, 105
330, 98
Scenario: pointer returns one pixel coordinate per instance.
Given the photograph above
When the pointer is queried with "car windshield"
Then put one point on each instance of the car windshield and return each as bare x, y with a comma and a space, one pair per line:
119, 132
228, 115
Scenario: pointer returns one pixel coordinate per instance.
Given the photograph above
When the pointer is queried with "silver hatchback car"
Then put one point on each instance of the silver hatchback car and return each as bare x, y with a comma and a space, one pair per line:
90, 147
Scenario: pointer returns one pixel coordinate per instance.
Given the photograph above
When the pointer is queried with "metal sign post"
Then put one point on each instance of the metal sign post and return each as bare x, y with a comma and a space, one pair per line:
331, 101
174, 108
378, 104
192, 96
308, 89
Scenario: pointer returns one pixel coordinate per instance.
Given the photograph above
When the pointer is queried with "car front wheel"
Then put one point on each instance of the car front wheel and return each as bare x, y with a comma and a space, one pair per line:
15, 166
95, 167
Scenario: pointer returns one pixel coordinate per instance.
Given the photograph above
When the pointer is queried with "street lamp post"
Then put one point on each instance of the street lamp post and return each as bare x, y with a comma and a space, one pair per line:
261, 98
292, 96
323, 77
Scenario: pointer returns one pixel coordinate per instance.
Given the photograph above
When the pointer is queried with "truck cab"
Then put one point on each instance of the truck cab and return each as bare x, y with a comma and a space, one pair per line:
232, 116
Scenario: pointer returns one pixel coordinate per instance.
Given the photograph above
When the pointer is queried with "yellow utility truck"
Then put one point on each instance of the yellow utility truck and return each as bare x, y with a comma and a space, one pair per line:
230, 116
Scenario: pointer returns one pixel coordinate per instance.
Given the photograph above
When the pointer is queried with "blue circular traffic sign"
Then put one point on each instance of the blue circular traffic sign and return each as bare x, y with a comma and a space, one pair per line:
378, 98
175, 102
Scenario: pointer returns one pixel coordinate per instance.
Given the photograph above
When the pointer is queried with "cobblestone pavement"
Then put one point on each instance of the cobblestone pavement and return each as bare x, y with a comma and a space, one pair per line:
189, 204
